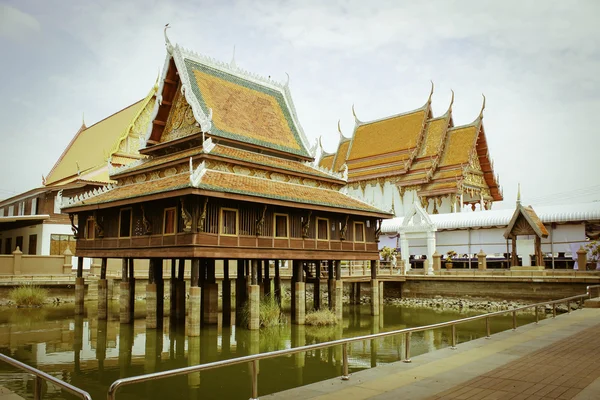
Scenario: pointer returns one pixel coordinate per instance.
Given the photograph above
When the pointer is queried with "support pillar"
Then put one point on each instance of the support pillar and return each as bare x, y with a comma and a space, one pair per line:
210, 295
160, 291
300, 300
173, 289
317, 286
266, 279
253, 299
581, 259
296, 276
240, 289
481, 260
151, 303
226, 291
125, 310
330, 285
180, 287
430, 250
102, 299
339, 292
193, 317
277, 283
437, 261
79, 288
374, 297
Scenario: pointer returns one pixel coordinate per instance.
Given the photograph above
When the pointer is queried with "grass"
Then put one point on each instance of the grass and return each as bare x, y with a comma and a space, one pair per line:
269, 313
28, 296
322, 317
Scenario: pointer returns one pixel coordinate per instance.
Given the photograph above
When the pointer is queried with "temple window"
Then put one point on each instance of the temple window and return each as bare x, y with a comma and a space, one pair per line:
229, 221
125, 223
359, 232
322, 229
281, 226
169, 225
89, 228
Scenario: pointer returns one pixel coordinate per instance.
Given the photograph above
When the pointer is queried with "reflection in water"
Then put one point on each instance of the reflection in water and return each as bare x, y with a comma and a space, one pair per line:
91, 354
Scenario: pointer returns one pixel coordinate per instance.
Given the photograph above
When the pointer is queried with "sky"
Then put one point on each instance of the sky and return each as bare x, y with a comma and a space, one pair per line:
537, 63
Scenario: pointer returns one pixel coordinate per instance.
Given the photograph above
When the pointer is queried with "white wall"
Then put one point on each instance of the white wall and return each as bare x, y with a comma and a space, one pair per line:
25, 232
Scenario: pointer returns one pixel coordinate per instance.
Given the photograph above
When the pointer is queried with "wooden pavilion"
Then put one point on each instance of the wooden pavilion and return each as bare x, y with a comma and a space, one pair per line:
227, 174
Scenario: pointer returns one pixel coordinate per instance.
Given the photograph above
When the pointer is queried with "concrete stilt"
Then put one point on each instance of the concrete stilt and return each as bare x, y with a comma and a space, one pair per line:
380, 294
79, 295
226, 291
193, 318
254, 299
339, 292
102, 299
173, 289
266, 278
125, 310
181, 292
277, 283
374, 297
194, 353
240, 289
330, 285
300, 300
151, 303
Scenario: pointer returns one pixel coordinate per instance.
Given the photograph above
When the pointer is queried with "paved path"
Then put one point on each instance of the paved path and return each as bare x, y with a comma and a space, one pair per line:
555, 359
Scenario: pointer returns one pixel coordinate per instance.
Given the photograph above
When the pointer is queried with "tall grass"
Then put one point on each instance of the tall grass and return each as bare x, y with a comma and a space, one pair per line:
28, 295
269, 313
322, 317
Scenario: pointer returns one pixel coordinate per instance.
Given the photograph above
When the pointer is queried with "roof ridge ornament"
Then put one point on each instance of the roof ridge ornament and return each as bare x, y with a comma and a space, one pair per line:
356, 120
451, 102
232, 63
430, 93
519, 194
168, 44
342, 137
287, 82
482, 107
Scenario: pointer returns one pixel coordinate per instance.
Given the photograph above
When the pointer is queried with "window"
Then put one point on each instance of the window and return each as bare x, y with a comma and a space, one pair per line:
11, 211
59, 243
169, 226
1, 212
281, 226
8, 246
19, 243
89, 228
32, 245
359, 232
322, 229
21, 208
229, 221
34, 206
125, 223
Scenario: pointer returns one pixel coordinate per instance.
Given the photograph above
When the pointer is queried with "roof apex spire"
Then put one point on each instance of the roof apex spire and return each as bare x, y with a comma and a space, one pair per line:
482, 107
354, 114
431, 92
167, 41
451, 101
83, 120
232, 63
519, 193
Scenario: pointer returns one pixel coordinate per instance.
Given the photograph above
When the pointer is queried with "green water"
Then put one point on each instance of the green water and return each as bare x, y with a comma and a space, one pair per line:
92, 354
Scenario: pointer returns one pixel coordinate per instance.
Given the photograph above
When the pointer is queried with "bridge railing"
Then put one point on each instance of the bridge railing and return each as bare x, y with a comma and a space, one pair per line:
41, 376
253, 360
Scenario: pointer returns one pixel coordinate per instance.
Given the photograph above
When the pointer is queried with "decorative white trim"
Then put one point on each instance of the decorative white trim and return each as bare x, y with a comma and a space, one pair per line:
208, 145
112, 170
329, 172
158, 102
69, 201
197, 174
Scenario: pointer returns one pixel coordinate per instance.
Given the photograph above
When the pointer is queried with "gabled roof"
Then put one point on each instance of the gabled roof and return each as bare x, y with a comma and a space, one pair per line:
229, 103
527, 214
326, 161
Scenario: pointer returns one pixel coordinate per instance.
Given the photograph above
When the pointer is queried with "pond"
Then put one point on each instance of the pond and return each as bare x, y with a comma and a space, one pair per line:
91, 354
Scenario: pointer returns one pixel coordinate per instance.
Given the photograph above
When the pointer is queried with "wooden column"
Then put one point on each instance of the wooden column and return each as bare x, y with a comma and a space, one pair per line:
173, 287
151, 296
514, 256
317, 286
330, 285
125, 310
374, 289
254, 272
210, 294
266, 279
339, 290
539, 256
296, 265
277, 283
195, 300
259, 276
226, 291
103, 268
131, 282
160, 291
180, 291
240, 289
79, 288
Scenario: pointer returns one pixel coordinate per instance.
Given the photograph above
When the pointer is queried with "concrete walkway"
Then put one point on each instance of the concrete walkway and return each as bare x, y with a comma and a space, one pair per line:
555, 359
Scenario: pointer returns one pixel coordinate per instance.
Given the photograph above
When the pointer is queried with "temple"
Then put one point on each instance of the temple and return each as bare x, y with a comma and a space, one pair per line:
227, 175
415, 157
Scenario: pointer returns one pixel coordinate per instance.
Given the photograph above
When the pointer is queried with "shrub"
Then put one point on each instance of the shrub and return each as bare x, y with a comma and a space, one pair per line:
321, 317
28, 296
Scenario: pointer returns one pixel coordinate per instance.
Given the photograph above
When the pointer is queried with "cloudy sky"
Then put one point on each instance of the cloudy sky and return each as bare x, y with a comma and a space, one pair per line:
537, 62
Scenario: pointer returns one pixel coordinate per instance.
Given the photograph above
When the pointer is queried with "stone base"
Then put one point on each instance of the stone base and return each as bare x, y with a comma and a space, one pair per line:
374, 297
528, 270
102, 299
300, 299
592, 303
79, 295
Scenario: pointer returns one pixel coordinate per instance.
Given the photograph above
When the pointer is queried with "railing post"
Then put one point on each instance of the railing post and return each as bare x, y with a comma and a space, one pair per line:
514, 318
254, 368
487, 327
553, 310
37, 388
537, 317
569, 306
407, 347
453, 347
345, 374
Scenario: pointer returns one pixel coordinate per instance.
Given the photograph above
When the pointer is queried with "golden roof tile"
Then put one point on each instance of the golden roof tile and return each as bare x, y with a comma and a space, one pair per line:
340, 158
327, 161
375, 171
460, 145
388, 135
433, 137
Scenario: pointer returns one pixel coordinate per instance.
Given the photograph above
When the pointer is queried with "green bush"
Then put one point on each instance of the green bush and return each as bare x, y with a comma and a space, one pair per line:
321, 317
28, 296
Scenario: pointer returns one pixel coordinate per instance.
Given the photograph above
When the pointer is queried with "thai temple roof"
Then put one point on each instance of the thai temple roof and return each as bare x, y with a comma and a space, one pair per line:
416, 148
84, 159
220, 131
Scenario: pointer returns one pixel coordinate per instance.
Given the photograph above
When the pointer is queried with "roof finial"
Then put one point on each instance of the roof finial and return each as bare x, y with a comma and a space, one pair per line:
287, 83
83, 119
232, 64
167, 41
321, 144
519, 194
482, 107
355, 117
430, 93
340, 131
451, 100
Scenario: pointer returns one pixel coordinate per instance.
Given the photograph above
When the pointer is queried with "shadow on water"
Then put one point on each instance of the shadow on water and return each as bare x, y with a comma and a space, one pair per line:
92, 354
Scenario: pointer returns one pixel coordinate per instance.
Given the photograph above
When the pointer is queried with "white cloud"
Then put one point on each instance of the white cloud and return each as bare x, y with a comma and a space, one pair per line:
16, 24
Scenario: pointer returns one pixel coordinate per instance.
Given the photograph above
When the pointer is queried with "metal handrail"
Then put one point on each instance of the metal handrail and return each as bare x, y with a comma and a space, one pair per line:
253, 359
41, 376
